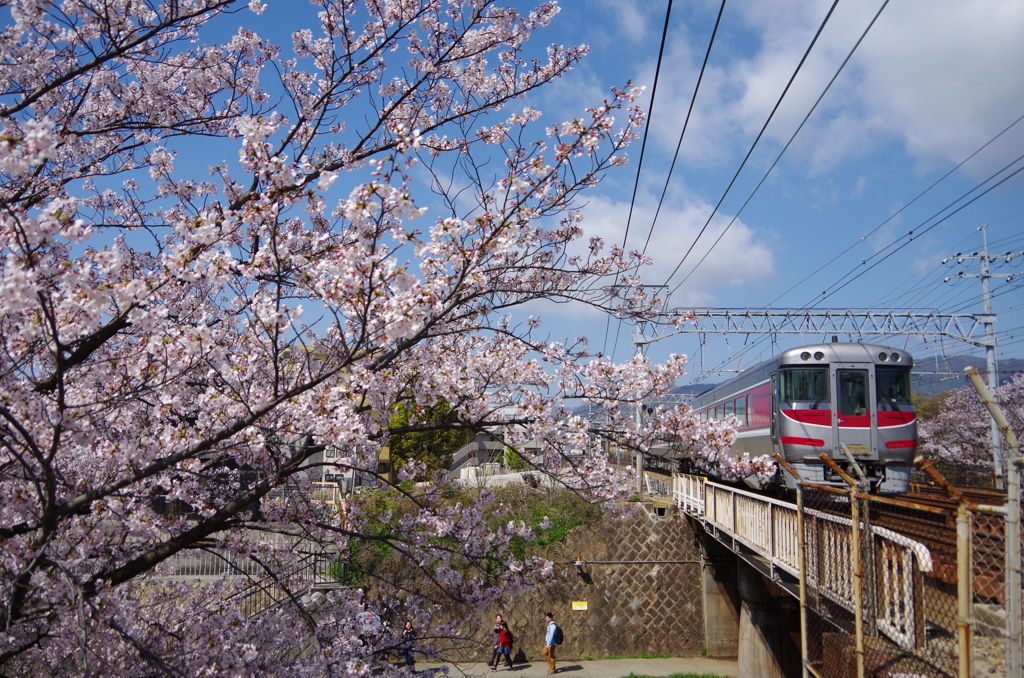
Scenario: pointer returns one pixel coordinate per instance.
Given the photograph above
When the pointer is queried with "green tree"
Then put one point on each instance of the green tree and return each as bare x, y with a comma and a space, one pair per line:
928, 407
425, 434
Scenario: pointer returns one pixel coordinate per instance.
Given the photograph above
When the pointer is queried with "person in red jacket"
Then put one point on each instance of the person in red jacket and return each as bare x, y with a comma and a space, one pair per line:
504, 646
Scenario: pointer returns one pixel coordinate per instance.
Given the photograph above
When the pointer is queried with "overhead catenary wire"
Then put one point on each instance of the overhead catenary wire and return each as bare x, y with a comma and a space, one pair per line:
913, 234
919, 291
784, 148
910, 236
760, 134
938, 217
930, 283
686, 123
647, 127
917, 232
900, 210
964, 296
640, 162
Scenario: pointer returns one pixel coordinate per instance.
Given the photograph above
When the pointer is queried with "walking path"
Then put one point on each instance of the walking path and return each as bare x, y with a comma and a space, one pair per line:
598, 668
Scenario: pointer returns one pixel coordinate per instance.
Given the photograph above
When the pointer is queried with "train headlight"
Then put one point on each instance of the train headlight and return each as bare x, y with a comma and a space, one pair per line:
805, 356
818, 355
883, 356
896, 357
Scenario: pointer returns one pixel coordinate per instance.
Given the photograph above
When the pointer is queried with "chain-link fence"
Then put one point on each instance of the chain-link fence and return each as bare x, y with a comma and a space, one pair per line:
866, 587
918, 588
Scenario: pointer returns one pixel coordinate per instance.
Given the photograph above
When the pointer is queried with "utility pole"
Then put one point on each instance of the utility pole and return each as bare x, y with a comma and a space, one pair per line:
988, 319
638, 457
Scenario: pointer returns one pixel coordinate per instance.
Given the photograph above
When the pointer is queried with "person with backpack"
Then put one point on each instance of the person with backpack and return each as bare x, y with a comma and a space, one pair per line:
552, 638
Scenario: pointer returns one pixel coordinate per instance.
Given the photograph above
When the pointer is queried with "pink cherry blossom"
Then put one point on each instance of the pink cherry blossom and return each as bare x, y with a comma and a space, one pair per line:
186, 349
961, 432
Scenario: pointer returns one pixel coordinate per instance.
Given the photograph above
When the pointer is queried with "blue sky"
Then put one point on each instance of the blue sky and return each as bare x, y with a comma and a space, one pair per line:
932, 83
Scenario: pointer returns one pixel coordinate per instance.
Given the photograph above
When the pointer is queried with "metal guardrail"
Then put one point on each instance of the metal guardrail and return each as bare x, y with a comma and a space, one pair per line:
313, 570
210, 564
770, 529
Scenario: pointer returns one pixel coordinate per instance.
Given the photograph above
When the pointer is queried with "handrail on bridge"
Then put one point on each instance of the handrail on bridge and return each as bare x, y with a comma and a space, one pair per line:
769, 528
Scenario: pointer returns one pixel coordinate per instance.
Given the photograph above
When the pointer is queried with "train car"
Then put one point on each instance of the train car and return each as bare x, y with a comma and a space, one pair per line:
810, 399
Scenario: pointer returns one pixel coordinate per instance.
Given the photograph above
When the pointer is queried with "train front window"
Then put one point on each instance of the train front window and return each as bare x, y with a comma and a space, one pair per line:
893, 389
806, 386
853, 392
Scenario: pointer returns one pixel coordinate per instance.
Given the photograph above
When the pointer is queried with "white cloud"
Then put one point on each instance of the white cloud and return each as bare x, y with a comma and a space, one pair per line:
740, 260
630, 21
938, 76
944, 76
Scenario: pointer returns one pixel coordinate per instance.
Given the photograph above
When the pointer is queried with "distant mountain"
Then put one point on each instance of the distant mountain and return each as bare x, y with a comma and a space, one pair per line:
938, 374
695, 389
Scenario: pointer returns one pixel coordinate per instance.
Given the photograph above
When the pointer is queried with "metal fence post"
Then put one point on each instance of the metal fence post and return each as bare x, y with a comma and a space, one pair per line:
965, 588
858, 578
869, 550
858, 562
1015, 655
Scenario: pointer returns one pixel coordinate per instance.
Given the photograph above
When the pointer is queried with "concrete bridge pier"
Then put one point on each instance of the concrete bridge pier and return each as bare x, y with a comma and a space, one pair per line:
721, 595
769, 628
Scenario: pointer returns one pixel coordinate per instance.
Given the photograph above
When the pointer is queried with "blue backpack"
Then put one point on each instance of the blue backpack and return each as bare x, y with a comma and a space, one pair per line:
559, 636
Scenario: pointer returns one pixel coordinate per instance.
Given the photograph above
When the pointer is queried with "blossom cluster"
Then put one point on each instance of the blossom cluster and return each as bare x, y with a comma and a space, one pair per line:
184, 354
961, 431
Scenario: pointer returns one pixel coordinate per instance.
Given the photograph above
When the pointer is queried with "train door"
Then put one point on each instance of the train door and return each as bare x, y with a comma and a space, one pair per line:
853, 413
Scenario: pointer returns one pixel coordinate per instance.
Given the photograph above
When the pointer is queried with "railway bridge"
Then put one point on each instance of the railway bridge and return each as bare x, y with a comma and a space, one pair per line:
840, 584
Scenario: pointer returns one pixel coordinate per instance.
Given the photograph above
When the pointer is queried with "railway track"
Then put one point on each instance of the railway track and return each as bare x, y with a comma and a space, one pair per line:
929, 517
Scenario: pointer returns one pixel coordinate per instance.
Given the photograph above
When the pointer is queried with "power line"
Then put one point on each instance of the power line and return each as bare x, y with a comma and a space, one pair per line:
686, 123
758, 139
900, 211
784, 149
818, 101
640, 162
910, 236
647, 128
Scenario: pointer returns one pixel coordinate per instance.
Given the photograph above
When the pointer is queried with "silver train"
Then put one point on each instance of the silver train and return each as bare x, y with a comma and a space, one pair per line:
808, 400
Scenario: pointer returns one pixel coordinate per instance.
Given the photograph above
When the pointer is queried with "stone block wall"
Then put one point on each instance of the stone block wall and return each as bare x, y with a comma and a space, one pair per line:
641, 606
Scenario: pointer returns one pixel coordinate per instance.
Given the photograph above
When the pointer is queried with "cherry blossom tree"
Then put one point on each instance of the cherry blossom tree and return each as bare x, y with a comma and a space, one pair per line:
961, 430
218, 264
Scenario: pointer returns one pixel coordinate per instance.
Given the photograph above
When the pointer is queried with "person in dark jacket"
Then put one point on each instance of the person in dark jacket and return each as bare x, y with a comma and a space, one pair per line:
408, 643
496, 654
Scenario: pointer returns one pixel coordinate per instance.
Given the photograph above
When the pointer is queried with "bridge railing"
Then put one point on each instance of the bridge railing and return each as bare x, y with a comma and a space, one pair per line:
894, 573
769, 528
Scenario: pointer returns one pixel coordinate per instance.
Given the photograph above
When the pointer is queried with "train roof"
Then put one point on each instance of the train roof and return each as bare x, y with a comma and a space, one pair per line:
847, 353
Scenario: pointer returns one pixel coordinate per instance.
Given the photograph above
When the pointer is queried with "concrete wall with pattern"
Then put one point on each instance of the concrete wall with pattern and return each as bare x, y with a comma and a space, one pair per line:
644, 606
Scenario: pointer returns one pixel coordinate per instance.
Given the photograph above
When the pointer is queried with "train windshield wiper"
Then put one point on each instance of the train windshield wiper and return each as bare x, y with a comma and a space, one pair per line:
822, 393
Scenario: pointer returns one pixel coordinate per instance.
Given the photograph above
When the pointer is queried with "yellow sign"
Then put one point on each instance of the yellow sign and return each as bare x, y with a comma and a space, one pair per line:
579, 605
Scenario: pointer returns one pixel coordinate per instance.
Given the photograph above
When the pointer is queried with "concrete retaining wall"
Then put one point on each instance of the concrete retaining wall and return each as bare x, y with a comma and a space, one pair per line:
633, 609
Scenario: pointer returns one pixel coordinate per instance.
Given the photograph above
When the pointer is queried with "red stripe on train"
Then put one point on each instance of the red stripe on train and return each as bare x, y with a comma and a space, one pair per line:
812, 442
899, 444
818, 417
886, 418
